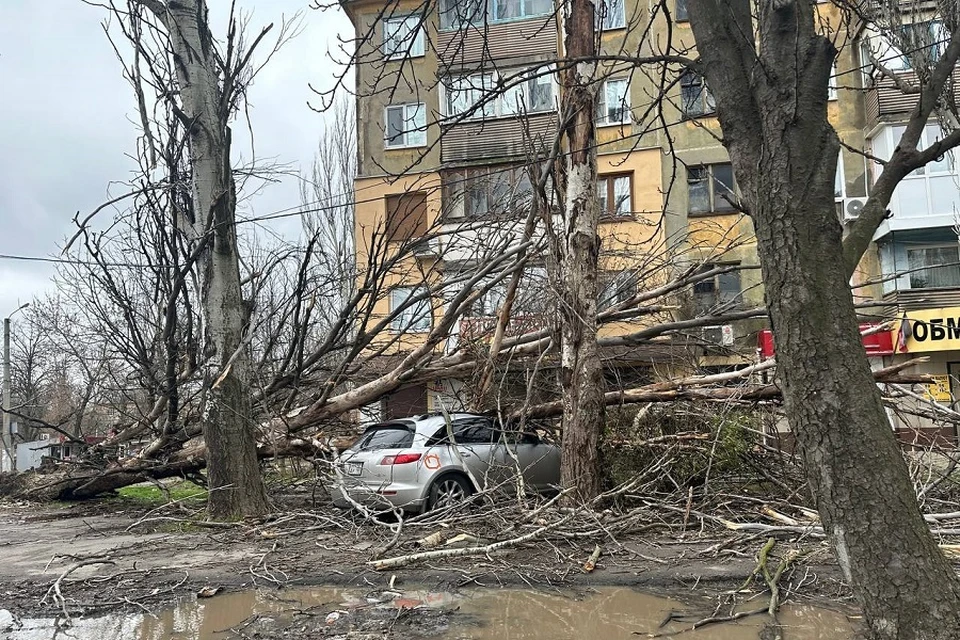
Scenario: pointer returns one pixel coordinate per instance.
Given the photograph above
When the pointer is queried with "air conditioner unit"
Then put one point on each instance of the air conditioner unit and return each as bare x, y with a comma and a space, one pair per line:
852, 207
720, 335
44, 436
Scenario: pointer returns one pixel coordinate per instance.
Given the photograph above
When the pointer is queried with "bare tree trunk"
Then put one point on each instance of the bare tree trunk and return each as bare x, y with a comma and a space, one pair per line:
771, 101
233, 471
577, 252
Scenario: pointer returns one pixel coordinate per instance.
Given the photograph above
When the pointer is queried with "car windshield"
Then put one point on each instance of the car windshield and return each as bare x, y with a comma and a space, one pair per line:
386, 437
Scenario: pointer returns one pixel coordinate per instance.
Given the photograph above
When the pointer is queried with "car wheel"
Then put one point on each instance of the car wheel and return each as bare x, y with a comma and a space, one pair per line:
448, 491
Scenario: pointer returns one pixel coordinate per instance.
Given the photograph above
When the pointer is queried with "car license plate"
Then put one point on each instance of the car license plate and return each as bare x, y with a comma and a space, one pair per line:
354, 468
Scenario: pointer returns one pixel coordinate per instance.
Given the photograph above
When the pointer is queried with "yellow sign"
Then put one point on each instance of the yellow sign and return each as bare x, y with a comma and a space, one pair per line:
928, 330
939, 389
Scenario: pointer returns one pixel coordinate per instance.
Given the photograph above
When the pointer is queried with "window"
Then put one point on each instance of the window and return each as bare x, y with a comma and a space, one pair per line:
879, 50
532, 93
934, 266
465, 94
919, 42
931, 134
531, 299
718, 290
619, 288
473, 96
489, 302
516, 9
611, 15
613, 105
681, 11
403, 37
385, 437
695, 97
406, 215
710, 188
486, 191
406, 126
457, 14
839, 181
832, 83
614, 195
466, 431
412, 314
924, 41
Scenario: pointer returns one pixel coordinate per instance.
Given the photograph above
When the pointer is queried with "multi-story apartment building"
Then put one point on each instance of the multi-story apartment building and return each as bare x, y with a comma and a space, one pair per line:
455, 103
914, 264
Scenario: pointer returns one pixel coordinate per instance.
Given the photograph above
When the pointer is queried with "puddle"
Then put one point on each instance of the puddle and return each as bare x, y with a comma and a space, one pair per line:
611, 614
473, 615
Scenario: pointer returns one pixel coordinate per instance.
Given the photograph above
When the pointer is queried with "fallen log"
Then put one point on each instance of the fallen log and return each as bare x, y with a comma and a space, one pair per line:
82, 481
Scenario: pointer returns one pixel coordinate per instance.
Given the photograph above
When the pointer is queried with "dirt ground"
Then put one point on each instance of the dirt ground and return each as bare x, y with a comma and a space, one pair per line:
116, 556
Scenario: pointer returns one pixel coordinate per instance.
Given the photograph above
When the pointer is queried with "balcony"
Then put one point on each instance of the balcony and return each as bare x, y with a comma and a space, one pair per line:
915, 299
497, 41
927, 198
885, 102
497, 139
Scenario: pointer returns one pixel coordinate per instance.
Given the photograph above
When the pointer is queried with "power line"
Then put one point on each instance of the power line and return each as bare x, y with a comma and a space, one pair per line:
4, 256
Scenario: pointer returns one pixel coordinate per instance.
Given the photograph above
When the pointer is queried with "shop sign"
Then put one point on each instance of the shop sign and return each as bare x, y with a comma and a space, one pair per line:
929, 330
939, 389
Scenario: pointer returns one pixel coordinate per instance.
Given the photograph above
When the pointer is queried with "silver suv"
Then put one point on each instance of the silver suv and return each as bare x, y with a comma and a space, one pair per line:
422, 463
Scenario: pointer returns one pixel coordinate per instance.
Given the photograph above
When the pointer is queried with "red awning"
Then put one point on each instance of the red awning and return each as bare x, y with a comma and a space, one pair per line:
876, 344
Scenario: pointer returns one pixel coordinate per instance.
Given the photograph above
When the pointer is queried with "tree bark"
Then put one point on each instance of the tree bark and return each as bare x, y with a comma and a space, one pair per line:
233, 472
577, 252
772, 103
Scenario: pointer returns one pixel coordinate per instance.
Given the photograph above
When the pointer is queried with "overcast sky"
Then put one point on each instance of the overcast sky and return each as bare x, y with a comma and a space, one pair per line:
66, 121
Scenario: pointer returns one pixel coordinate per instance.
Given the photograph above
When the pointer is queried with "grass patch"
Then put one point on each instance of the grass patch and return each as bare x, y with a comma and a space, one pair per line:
151, 495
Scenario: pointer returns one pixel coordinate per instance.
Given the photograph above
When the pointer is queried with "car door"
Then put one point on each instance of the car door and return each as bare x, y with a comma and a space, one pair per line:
476, 444
540, 462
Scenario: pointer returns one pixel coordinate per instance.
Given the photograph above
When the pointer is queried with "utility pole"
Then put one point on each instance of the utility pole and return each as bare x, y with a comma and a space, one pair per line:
9, 446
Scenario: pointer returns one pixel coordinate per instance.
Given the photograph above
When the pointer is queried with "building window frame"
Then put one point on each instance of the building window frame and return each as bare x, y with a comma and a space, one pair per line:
696, 101
680, 13
715, 293
706, 174
413, 116
916, 272
480, 192
403, 36
525, 9
619, 287
611, 15
614, 202
472, 96
621, 98
454, 15
411, 316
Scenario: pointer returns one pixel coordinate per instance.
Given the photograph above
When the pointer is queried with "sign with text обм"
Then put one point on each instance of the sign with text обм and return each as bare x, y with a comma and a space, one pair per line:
929, 330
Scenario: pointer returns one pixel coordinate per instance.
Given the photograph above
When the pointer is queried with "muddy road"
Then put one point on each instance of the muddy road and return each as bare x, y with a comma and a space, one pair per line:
109, 560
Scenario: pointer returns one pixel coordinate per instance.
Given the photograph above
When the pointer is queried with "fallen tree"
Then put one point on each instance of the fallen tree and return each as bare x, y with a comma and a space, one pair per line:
83, 480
